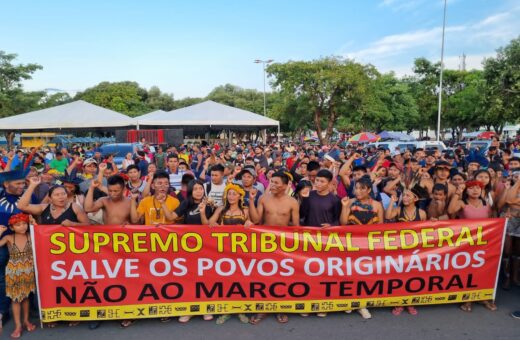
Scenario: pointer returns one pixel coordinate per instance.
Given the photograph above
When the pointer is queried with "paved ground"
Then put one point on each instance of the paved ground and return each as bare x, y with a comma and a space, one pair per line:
433, 322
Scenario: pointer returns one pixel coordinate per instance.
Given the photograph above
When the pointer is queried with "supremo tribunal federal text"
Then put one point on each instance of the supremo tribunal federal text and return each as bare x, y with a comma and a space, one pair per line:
263, 242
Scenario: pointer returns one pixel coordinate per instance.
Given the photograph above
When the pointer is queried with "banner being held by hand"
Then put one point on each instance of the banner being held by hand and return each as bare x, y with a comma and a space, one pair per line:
126, 272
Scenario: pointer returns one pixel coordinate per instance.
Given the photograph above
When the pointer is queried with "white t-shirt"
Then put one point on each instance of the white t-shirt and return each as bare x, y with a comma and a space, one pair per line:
216, 192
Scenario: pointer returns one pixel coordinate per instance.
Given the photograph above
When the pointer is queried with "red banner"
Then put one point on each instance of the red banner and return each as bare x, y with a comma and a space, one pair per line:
122, 272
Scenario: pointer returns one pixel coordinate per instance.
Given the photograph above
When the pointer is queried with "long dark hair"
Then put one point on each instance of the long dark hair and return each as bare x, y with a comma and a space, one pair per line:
189, 192
489, 187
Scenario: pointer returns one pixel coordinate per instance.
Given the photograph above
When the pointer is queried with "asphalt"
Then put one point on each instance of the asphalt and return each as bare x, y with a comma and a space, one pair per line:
432, 322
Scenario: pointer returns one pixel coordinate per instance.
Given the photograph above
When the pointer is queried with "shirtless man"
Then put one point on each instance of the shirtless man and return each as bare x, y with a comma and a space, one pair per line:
275, 208
116, 208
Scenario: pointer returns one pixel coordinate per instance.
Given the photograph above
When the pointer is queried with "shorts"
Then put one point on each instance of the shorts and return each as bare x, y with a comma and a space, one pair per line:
513, 226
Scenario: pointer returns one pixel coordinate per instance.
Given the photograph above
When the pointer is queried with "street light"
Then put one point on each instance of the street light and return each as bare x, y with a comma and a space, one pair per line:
264, 62
440, 81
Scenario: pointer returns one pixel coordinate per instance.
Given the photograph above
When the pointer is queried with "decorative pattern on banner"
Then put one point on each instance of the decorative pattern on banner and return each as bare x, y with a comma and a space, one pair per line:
127, 272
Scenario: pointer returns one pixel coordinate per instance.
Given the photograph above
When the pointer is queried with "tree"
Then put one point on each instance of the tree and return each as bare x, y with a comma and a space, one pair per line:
502, 87
424, 85
126, 97
391, 106
232, 95
55, 99
462, 104
331, 87
188, 101
13, 100
157, 100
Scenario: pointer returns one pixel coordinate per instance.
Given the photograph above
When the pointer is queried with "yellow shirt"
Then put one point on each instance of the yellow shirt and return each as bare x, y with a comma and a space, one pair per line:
154, 214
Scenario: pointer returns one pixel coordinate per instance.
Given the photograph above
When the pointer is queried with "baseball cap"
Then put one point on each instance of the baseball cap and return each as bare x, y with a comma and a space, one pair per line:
249, 170
89, 161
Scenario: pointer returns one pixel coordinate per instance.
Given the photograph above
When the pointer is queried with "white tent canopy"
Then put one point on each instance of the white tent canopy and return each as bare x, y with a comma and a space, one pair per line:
208, 113
75, 115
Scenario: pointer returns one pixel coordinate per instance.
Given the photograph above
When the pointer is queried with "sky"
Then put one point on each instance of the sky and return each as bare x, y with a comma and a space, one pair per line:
189, 47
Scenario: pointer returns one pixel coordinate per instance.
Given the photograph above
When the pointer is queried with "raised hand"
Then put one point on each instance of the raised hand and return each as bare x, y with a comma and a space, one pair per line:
34, 181
252, 193
3, 229
102, 167
95, 184
345, 201
67, 223
161, 198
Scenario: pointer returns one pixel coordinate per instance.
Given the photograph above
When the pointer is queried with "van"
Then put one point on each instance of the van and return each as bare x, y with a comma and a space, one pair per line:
393, 146
119, 150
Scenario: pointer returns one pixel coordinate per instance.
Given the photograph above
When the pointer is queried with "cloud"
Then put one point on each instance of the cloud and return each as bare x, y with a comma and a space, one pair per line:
477, 39
396, 44
401, 5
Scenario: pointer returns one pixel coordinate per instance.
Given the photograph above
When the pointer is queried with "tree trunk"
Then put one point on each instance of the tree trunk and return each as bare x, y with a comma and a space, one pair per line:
317, 119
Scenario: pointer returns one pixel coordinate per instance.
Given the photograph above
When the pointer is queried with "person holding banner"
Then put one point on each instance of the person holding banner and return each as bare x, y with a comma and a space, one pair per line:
408, 212
467, 203
156, 209
58, 211
115, 207
362, 210
20, 281
275, 208
232, 213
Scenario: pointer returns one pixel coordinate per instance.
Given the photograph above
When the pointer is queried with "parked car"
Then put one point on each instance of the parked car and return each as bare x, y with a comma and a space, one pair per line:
119, 150
392, 146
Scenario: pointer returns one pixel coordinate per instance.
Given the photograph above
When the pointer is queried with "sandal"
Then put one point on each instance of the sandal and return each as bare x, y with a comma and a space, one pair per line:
397, 311
207, 317
185, 318
126, 323
489, 305
243, 318
411, 310
29, 326
73, 323
17, 333
163, 320
466, 307
256, 319
282, 318
365, 314
51, 324
321, 315
222, 319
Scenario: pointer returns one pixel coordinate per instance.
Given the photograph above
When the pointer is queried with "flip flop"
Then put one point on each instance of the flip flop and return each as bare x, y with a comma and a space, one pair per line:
222, 319
282, 318
243, 318
30, 327
17, 333
126, 323
185, 318
411, 310
489, 305
466, 307
256, 319
397, 311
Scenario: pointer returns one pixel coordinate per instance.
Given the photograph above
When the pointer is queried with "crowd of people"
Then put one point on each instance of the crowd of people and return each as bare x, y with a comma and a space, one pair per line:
281, 184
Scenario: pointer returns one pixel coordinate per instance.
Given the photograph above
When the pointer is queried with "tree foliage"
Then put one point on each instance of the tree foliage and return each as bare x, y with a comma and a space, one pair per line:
13, 100
330, 87
502, 87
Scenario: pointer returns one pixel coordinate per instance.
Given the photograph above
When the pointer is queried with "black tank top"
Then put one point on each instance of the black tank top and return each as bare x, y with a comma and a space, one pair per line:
68, 214
403, 218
